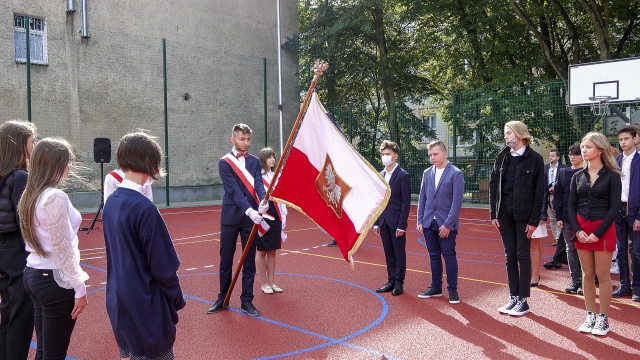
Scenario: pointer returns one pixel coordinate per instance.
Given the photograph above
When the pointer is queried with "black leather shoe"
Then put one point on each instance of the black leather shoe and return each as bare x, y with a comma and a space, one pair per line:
552, 265
249, 308
385, 288
217, 306
397, 290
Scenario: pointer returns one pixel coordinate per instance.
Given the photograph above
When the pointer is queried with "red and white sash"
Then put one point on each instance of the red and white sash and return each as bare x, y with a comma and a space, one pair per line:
116, 176
248, 181
246, 178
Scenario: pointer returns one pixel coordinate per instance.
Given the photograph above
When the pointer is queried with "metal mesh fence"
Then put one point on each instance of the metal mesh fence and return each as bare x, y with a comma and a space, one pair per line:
470, 124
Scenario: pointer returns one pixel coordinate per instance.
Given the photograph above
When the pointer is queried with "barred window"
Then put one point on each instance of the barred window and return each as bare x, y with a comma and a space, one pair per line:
37, 39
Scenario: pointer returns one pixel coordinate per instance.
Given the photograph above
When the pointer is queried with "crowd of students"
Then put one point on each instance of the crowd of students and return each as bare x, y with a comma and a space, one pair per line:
594, 205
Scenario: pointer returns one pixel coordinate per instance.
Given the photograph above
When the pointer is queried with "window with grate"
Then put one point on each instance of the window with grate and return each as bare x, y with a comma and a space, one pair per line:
37, 39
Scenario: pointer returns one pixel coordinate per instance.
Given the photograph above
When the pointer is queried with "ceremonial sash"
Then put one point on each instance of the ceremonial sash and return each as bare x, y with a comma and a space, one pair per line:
116, 176
246, 178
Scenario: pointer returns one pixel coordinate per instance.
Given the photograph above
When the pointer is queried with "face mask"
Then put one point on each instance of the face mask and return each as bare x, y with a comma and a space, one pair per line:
387, 160
511, 143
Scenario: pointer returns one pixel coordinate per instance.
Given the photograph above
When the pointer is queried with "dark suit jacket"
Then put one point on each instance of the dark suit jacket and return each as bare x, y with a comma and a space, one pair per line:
633, 201
546, 172
237, 199
443, 202
396, 214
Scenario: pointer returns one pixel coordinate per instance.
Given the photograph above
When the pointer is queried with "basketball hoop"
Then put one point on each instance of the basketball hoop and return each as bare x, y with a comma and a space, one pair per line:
600, 105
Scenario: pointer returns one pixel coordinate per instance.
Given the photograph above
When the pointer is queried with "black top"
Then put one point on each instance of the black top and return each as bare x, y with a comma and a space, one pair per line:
598, 202
561, 194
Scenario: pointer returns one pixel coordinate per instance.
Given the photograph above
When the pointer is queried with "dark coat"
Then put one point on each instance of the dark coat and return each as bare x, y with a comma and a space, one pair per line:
143, 290
529, 182
396, 213
237, 199
13, 185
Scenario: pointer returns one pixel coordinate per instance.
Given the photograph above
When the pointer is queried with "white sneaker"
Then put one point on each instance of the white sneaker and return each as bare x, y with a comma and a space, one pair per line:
588, 323
267, 289
276, 288
615, 269
601, 326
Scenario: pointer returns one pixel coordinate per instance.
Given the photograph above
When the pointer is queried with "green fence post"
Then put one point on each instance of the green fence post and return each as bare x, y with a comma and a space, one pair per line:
455, 137
166, 119
264, 66
28, 28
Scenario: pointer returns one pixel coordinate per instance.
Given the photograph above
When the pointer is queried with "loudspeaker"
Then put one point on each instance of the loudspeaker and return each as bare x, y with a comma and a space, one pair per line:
102, 150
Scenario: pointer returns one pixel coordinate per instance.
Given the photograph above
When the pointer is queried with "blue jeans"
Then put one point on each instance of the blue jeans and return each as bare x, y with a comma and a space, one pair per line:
442, 247
624, 226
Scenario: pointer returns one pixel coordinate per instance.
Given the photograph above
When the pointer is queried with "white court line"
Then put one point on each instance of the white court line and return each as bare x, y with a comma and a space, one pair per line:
189, 269
91, 258
209, 266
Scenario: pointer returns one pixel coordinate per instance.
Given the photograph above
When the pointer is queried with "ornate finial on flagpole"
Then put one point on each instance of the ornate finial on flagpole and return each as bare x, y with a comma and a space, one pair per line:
319, 67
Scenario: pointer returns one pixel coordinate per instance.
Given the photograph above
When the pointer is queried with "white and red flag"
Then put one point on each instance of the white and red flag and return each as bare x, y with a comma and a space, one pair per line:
326, 179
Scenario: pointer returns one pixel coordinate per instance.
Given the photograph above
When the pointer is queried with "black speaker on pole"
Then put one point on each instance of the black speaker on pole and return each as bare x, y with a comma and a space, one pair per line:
102, 150
101, 155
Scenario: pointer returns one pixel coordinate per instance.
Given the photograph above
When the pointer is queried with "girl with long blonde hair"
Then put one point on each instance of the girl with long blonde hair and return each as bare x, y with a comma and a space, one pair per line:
49, 223
594, 203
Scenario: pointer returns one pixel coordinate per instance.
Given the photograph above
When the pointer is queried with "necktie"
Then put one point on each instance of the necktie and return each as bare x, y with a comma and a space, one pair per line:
242, 154
552, 177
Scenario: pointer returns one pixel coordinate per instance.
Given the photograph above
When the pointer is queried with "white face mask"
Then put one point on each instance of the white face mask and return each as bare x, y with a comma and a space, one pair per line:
387, 160
511, 143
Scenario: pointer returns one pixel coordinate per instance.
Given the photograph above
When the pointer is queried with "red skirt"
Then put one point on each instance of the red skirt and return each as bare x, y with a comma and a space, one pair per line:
589, 227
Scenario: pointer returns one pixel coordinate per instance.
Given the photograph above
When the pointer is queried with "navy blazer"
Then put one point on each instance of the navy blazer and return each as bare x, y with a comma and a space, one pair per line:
546, 172
633, 201
445, 201
237, 198
396, 213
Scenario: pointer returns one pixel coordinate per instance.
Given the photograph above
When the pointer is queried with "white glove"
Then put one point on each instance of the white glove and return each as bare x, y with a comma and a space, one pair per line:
255, 216
264, 206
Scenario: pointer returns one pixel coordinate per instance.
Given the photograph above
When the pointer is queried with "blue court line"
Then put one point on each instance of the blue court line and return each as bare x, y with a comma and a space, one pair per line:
330, 341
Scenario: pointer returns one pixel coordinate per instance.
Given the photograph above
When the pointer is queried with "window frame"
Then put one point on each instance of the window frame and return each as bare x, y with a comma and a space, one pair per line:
44, 60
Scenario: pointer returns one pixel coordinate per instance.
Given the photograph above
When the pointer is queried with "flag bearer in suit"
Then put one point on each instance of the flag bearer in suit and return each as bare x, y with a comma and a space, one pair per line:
241, 175
392, 223
439, 207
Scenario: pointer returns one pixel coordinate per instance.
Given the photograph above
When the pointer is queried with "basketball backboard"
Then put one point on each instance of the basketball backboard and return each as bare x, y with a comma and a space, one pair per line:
617, 79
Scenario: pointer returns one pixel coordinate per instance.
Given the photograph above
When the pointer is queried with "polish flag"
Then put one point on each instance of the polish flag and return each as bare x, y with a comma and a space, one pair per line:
326, 179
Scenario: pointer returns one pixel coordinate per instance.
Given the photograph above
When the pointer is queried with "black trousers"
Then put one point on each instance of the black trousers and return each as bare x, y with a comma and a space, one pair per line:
395, 254
16, 308
517, 250
52, 313
228, 239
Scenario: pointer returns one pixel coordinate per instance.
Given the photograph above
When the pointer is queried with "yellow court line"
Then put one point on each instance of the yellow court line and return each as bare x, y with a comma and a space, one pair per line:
459, 277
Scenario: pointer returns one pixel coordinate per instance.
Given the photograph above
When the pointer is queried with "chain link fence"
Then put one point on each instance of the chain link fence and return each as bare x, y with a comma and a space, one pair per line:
470, 124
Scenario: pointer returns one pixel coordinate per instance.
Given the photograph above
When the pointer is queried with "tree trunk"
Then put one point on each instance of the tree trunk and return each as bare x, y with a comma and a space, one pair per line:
385, 72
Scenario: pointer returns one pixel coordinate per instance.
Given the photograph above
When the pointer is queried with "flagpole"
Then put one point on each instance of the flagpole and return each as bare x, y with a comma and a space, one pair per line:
319, 68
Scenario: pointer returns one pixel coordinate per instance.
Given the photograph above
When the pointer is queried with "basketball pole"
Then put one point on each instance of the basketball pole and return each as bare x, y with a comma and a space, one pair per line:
319, 69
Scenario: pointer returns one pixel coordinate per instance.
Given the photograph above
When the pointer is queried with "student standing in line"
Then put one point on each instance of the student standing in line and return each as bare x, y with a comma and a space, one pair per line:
392, 223
16, 310
562, 216
272, 240
624, 222
516, 213
439, 205
594, 204
142, 263
551, 170
49, 223
242, 207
